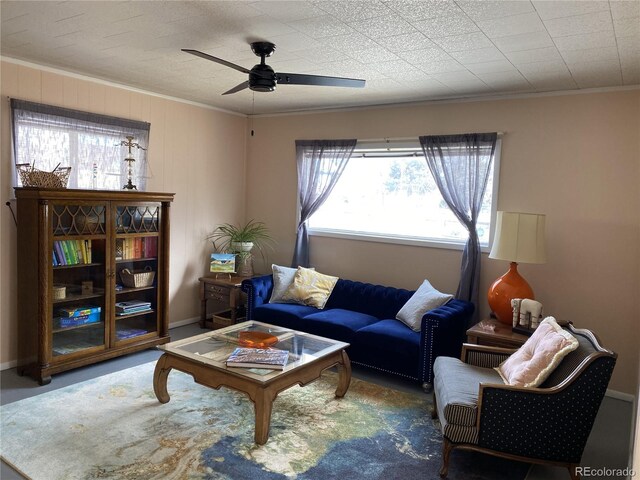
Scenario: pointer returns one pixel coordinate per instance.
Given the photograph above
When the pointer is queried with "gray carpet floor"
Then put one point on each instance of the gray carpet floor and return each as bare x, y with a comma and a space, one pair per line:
608, 445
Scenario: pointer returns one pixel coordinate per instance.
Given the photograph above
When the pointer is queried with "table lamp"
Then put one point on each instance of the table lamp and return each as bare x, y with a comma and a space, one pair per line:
519, 238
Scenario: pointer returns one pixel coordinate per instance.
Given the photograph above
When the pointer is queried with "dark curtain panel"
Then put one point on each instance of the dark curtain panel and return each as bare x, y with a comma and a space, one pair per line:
320, 164
460, 165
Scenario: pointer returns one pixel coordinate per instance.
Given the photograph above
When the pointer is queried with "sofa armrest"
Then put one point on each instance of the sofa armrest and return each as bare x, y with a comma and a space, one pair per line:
258, 290
442, 333
485, 356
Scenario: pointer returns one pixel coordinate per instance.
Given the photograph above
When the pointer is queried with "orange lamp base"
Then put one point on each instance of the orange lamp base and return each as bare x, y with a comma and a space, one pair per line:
504, 289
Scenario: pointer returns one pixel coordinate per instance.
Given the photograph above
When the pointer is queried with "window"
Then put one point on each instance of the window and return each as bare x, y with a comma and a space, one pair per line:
46, 136
388, 194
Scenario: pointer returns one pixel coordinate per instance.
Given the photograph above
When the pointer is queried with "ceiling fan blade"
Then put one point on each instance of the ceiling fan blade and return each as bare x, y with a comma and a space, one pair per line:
237, 88
216, 59
300, 79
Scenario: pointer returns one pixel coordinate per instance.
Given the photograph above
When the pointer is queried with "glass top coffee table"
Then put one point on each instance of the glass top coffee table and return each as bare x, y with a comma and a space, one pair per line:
204, 358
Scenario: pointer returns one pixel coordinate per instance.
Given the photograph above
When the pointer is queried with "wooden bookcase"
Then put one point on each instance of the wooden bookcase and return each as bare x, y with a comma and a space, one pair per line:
110, 231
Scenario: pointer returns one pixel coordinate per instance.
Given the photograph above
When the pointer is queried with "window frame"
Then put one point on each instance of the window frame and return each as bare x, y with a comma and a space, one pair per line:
399, 147
74, 124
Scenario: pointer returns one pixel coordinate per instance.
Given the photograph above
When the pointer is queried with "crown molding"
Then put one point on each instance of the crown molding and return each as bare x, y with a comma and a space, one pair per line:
109, 83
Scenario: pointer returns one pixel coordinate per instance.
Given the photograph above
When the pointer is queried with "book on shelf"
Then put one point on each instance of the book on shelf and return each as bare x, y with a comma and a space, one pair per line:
59, 253
271, 358
68, 259
132, 306
137, 247
75, 244
124, 333
87, 244
119, 249
131, 311
77, 311
63, 322
129, 304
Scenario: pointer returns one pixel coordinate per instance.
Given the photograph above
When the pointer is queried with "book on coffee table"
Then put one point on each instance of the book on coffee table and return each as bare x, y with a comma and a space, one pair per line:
271, 358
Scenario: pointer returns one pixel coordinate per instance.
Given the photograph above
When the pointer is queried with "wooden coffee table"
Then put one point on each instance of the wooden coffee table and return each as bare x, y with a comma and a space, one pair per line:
204, 356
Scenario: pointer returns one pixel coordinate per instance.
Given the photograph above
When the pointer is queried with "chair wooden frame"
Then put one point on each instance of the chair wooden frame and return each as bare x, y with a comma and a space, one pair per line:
501, 353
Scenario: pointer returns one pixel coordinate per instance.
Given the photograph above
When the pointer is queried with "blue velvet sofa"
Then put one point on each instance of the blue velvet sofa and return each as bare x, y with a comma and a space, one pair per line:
364, 315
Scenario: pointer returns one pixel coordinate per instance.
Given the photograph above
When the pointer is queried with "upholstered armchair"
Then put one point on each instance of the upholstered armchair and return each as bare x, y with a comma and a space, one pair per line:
547, 424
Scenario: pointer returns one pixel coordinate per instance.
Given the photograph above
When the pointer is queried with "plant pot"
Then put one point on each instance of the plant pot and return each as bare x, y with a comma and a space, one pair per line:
241, 246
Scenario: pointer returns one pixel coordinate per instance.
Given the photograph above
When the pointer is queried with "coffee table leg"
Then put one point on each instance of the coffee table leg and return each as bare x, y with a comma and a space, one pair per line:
160, 375
263, 405
344, 375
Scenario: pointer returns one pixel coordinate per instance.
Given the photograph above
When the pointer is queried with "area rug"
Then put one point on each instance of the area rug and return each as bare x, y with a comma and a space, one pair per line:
113, 427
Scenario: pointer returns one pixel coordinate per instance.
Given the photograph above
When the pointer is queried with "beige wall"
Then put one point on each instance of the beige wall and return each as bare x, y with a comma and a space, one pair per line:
575, 158
190, 148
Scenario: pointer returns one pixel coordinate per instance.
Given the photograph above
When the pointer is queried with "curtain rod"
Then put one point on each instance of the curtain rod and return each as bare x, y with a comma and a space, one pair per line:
399, 139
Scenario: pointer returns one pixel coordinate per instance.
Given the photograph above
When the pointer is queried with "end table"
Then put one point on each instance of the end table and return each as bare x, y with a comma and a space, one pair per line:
226, 292
493, 333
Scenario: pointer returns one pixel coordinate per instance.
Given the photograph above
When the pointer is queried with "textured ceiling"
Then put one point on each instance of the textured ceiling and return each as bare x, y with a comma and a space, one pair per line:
407, 51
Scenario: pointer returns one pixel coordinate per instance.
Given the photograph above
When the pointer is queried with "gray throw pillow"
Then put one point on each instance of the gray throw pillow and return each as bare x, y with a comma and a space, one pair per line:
282, 280
424, 299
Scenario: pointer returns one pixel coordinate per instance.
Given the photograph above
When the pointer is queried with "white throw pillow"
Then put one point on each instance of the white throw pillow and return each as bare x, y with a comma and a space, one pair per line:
282, 280
539, 356
426, 298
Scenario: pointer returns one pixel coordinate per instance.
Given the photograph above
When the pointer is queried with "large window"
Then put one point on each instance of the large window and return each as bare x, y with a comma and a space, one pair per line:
46, 136
389, 194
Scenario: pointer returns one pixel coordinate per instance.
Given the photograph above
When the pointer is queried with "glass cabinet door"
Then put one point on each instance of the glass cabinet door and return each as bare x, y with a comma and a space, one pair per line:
136, 270
78, 261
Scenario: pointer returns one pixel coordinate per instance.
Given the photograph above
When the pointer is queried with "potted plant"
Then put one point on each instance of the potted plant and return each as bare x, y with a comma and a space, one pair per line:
240, 240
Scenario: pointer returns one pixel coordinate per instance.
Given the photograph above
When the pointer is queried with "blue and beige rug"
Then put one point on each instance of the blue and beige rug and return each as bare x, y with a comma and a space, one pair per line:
113, 427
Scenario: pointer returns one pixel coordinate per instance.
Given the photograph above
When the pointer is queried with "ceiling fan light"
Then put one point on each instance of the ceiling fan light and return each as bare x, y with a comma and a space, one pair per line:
263, 88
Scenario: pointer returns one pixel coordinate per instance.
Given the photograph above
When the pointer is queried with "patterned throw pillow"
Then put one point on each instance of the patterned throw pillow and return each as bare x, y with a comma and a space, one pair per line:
282, 279
310, 288
539, 356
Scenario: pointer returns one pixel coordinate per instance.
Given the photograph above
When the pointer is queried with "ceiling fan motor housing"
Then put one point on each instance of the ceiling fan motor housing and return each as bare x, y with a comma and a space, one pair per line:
262, 78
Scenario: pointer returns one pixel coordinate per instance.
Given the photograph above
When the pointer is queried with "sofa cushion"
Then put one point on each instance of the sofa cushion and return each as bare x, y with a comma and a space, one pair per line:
282, 314
337, 323
389, 346
456, 386
379, 301
390, 336
424, 299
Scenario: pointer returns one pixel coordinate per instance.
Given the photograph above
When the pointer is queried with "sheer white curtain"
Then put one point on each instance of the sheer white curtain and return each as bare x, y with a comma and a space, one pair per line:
320, 164
46, 136
460, 165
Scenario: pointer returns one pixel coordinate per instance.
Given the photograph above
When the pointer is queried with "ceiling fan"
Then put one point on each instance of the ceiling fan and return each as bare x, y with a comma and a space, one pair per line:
262, 78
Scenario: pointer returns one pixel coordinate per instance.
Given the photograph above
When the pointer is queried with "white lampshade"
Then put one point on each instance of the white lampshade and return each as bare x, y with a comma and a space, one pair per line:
519, 238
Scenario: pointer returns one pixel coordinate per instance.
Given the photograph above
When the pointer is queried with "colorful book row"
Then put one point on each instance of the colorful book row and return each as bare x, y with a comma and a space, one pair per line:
138, 247
71, 252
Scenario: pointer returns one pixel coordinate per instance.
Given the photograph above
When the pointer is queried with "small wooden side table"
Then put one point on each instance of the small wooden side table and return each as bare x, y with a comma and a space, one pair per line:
492, 333
225, 291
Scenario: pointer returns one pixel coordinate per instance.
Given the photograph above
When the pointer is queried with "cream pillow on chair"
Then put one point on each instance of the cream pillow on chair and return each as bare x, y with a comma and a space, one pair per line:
539, 356
310, 288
